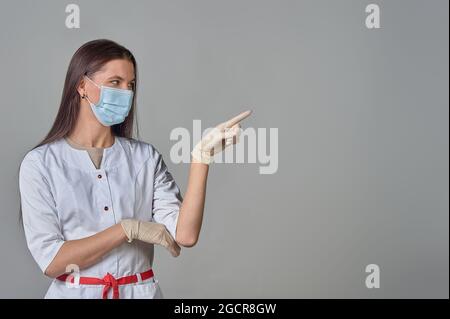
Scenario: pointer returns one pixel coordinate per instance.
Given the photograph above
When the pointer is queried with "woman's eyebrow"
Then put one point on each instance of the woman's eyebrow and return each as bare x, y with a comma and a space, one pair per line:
119, 78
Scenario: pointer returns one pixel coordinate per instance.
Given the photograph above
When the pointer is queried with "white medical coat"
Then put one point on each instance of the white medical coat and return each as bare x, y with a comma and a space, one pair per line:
64, 197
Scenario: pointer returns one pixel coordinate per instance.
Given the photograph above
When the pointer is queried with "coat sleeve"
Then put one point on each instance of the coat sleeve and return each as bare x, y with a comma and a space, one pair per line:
39, 214
167, 197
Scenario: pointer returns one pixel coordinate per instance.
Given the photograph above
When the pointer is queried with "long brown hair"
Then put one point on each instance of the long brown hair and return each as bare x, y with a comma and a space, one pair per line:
88, 59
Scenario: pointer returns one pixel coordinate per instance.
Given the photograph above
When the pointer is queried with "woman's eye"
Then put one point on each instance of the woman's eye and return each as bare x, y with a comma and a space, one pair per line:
115, 82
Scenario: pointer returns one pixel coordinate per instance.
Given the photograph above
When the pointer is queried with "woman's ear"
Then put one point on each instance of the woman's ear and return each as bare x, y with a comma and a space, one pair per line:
81, 89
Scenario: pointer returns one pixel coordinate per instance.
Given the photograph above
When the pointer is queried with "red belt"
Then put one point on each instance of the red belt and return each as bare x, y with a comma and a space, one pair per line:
109, 281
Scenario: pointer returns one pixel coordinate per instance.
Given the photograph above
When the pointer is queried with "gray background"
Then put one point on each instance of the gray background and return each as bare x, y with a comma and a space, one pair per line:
363, 137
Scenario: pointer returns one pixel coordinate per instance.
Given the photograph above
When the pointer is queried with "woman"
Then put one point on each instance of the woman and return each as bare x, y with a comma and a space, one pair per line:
95, 200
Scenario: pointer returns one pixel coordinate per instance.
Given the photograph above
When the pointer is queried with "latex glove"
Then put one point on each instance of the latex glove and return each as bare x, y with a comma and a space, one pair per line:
217, 139
150, 232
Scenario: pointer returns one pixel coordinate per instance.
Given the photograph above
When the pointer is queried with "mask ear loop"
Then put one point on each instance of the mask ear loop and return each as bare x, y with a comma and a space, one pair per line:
85, 95
92, 81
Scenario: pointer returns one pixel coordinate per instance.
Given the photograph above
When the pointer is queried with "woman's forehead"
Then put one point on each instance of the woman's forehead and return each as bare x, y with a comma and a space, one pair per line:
122, 68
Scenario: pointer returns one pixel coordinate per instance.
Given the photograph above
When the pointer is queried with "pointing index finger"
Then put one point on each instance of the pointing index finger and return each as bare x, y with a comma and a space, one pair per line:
237, 118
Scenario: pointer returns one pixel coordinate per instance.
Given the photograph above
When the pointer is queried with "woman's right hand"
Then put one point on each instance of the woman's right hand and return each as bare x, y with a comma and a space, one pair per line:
150, 232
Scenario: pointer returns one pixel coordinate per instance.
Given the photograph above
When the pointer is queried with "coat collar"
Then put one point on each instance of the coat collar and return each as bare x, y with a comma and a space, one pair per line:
113, 156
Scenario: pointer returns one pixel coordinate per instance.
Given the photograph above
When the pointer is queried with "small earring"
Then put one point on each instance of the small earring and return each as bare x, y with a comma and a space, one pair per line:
83, 96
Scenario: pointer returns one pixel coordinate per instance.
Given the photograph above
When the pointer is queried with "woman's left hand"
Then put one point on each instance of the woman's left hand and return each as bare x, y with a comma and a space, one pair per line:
216, 140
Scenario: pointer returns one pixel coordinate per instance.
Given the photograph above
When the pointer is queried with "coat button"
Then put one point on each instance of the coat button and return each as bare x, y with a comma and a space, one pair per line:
106, 208
99, 175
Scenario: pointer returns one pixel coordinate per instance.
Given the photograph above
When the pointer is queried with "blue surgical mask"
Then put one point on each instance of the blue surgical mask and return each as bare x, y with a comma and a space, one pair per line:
113, 105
